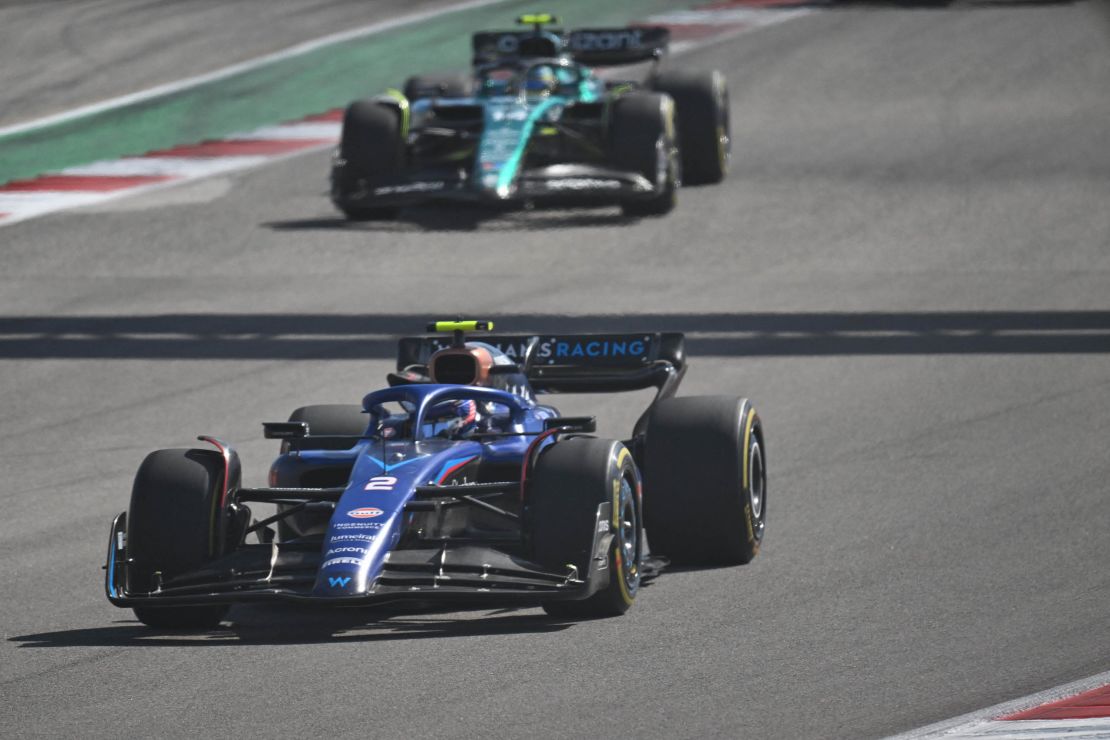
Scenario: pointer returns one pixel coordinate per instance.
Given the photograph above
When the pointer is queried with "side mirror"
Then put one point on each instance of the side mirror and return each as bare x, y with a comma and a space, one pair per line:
580, 424
284, 429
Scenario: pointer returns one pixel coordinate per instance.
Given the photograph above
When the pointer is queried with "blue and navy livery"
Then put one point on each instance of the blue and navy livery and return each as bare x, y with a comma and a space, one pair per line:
434, 498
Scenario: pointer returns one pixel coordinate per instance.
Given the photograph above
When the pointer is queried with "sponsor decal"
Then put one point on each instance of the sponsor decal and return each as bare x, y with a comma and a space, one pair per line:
357, 525
338, 550
508, 113
341, 561
339, 581
549, 349
353, 537
381, 483
366, 512
412, 187
584, 183
635, 348
629, 38
489, 181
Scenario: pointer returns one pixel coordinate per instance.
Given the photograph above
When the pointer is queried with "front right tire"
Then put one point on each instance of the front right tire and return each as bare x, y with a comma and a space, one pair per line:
370, 147
173, 527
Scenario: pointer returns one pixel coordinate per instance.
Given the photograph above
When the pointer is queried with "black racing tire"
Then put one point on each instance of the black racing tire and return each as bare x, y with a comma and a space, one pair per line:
325, 418
570, 480
331, 419
371, 146
705, 480
173, 525
704, 129
642, 139
442, 85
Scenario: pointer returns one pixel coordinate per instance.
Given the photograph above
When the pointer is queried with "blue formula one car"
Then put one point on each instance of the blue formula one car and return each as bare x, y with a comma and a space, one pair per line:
454, 483
533, 123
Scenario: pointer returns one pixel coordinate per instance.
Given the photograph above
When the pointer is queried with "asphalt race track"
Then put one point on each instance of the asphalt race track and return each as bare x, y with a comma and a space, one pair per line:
908, 270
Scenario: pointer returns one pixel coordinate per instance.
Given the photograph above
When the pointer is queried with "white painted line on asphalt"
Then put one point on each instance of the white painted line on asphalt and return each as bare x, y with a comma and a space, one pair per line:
293, 131
251, 64
173, 166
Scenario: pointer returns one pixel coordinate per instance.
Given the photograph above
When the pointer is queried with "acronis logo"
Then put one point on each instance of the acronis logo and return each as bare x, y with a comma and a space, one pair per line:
339, 581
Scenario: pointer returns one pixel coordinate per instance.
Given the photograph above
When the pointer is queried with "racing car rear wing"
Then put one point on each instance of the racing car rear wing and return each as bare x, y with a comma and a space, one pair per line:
577, 363
612, 46
595, 46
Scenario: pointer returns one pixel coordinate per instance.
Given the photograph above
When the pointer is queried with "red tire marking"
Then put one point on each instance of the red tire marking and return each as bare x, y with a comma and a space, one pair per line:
92, 183
239, 147
1088, 705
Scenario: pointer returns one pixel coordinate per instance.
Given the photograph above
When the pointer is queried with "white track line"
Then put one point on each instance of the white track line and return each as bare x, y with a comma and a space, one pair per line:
293, 131
220, 74
184, 167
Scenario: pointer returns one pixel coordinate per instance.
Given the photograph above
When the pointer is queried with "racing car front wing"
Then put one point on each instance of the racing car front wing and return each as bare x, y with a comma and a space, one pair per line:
452, 569
562, 183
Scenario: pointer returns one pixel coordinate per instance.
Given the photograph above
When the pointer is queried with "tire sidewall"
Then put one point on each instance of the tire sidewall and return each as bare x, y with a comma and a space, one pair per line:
697, 485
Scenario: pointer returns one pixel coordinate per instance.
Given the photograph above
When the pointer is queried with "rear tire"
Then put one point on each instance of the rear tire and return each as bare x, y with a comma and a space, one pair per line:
642, 136
444, 85
704, 129
322, 419
331, 419
173, 526
571, 479
705, 480
371, 146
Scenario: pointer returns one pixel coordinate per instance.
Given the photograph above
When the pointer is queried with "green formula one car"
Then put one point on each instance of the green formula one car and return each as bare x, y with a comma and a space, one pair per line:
534, 122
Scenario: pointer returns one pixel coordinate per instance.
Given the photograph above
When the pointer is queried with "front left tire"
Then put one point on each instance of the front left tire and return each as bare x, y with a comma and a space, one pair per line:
642, 139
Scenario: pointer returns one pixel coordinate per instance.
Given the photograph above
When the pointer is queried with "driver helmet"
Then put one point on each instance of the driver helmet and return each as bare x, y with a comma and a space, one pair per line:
540, 80
452, 419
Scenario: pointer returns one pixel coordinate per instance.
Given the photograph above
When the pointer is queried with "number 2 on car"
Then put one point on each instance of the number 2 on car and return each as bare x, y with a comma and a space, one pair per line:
381, 483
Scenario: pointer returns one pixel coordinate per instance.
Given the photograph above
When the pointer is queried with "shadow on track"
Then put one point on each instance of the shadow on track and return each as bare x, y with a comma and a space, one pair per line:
373, 336
458, 218
287, 626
